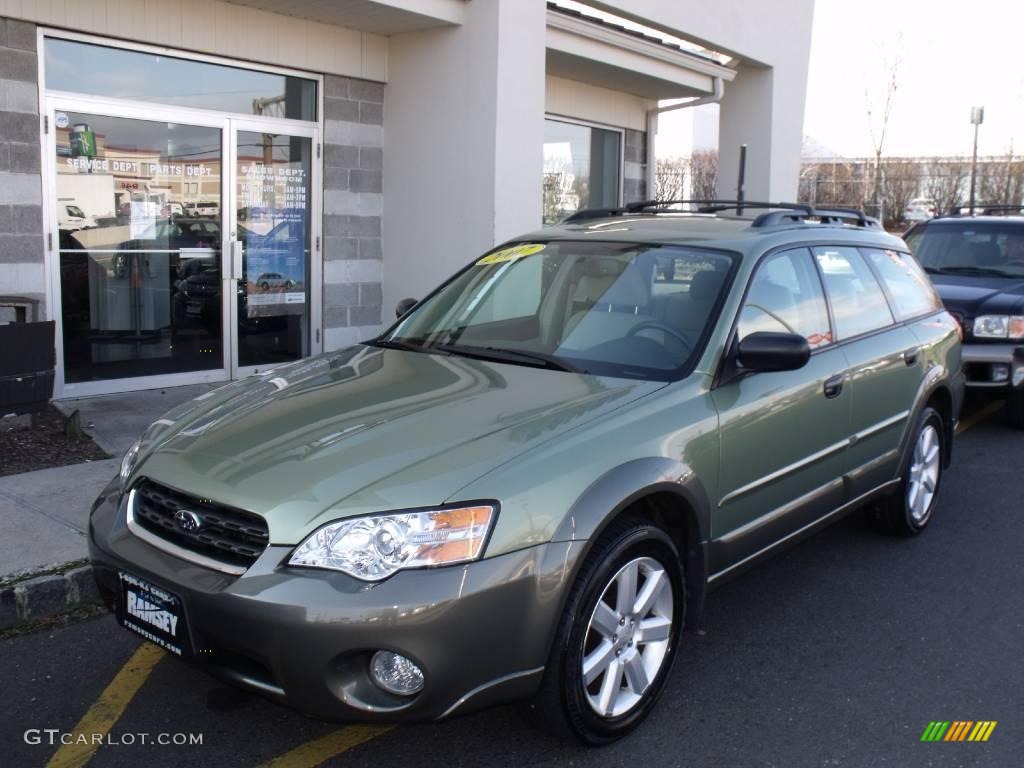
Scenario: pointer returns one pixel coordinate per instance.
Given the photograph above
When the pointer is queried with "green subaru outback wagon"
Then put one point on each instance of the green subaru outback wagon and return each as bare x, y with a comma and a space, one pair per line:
524, 489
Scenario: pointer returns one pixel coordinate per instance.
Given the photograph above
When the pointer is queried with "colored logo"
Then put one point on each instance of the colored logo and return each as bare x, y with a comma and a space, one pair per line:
958, 730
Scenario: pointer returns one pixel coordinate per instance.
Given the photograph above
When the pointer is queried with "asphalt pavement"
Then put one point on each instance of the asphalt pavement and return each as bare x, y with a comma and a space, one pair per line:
838, 652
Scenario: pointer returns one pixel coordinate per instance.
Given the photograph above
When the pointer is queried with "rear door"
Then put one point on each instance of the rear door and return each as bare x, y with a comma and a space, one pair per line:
783, 434
885, 364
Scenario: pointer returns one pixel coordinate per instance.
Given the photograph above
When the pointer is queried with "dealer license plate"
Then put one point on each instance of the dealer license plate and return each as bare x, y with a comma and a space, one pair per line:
154, 613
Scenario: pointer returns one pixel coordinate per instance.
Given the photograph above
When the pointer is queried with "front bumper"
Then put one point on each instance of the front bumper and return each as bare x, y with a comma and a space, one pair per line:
985, 364
480, 632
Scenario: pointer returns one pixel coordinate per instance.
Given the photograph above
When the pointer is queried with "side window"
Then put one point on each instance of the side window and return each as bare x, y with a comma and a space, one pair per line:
911, 290
858, 302
785, 297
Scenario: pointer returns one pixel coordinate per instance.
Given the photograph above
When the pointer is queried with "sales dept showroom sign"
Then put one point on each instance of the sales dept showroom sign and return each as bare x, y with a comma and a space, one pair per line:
274, 229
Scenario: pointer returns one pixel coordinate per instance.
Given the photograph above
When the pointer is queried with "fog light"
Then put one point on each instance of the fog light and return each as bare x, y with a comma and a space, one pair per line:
396, 674
1000, 372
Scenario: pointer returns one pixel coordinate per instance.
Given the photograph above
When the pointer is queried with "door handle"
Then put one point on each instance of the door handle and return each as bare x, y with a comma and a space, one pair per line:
834, 386
911, 356
236, 260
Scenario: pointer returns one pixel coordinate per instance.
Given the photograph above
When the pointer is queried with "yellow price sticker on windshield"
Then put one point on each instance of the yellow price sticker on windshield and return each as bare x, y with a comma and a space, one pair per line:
511, 254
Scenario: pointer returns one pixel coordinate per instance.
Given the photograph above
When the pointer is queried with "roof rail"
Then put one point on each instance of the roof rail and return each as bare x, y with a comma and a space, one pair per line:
712, 206
832, 215
777, 213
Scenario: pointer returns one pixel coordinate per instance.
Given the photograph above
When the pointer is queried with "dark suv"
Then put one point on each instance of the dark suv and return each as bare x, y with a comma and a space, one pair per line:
977, 265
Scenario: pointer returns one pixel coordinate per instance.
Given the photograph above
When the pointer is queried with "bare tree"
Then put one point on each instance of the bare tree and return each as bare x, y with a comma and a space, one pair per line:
878, 117
944, 181
559, 200
902, 179
704, 174
670, 178
1001, 182
831, 182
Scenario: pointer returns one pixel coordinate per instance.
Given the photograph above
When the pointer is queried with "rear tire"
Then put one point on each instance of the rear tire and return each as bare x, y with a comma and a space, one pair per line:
614, 647
1015, 408
909, 510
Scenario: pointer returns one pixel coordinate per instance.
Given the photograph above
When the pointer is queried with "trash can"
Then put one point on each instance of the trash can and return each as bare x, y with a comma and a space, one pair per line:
27, 359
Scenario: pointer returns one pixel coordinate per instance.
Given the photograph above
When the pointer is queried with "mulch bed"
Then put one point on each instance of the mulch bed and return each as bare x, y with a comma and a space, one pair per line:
43, 445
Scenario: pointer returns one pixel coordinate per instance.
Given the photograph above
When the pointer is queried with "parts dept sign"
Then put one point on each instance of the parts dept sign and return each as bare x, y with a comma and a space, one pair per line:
138, 168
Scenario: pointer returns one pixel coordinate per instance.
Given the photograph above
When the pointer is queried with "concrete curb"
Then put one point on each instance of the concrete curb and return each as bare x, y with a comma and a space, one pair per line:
42, 596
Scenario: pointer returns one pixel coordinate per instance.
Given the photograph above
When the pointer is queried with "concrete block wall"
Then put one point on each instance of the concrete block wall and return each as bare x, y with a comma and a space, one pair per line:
21, 214
634, 181
353, 210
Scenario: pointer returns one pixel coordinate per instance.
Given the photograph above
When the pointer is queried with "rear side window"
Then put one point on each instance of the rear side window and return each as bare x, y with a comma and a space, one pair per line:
909, 287
785, 297
858, 302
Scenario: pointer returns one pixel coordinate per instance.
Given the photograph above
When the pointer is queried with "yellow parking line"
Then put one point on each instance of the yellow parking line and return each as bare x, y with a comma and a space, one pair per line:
981, 415
318, 751
108, 708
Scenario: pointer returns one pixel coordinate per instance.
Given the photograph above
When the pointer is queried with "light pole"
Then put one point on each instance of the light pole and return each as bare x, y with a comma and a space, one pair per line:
977, 118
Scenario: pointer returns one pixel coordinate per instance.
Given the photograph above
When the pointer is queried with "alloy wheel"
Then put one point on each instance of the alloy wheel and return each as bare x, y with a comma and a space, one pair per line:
924, 474
628, 637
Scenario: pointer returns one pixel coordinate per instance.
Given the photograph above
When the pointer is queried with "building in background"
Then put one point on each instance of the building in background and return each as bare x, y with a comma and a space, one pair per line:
198, 190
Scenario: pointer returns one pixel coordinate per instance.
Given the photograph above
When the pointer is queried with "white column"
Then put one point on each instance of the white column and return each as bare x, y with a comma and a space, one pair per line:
769, 119
463, 145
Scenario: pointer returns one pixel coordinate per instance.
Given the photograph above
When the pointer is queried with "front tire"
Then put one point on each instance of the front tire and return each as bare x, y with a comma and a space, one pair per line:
616, 642
909, 510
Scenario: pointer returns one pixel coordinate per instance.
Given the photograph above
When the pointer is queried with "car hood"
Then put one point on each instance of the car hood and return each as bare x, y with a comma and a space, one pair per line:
365, 429
971, 296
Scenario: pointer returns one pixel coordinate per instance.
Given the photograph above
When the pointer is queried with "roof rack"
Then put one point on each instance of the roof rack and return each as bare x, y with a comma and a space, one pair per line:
778, 213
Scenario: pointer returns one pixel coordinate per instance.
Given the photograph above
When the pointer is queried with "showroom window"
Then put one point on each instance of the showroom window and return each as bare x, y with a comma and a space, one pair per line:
582, 168
99, 70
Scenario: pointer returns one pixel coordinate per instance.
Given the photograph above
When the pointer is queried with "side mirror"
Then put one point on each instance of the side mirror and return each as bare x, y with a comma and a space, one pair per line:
404, 306
766, 351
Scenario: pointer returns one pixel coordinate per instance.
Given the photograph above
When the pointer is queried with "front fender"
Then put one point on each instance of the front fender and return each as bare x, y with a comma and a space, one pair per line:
629, 483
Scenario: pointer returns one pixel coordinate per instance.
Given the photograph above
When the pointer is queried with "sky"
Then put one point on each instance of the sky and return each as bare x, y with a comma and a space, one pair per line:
949, 56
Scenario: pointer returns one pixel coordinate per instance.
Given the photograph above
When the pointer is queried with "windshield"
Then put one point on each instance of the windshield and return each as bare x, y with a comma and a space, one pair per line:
615, 309
970, 247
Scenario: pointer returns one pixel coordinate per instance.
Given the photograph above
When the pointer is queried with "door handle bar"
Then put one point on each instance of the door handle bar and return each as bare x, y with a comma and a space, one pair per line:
834, 386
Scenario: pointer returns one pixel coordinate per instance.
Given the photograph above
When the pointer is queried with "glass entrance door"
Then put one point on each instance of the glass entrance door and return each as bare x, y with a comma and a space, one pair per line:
137, 256
274, 234
184, 246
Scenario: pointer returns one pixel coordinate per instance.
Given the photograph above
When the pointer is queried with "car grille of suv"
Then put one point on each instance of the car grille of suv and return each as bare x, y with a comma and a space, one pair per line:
226, 534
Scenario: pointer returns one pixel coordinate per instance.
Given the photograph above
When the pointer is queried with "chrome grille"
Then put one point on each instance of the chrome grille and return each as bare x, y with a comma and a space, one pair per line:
225, 534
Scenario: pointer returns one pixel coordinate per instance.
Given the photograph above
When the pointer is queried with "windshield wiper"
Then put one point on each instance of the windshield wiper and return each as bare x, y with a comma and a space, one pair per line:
972, 270
502, 355
405, 346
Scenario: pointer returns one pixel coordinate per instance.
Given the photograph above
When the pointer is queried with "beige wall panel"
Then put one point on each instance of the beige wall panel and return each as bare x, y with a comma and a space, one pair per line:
570, 98
217, 28
375, 57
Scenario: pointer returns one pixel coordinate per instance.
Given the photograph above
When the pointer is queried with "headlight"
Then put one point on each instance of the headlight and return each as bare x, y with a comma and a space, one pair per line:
999, 327
373, 548
128, 462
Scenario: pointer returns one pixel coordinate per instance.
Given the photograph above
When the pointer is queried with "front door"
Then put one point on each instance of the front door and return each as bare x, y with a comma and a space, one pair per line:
274, 236
783, 434
180, 244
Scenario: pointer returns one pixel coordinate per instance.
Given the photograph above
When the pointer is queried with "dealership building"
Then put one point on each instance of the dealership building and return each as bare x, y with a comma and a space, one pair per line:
197, 190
